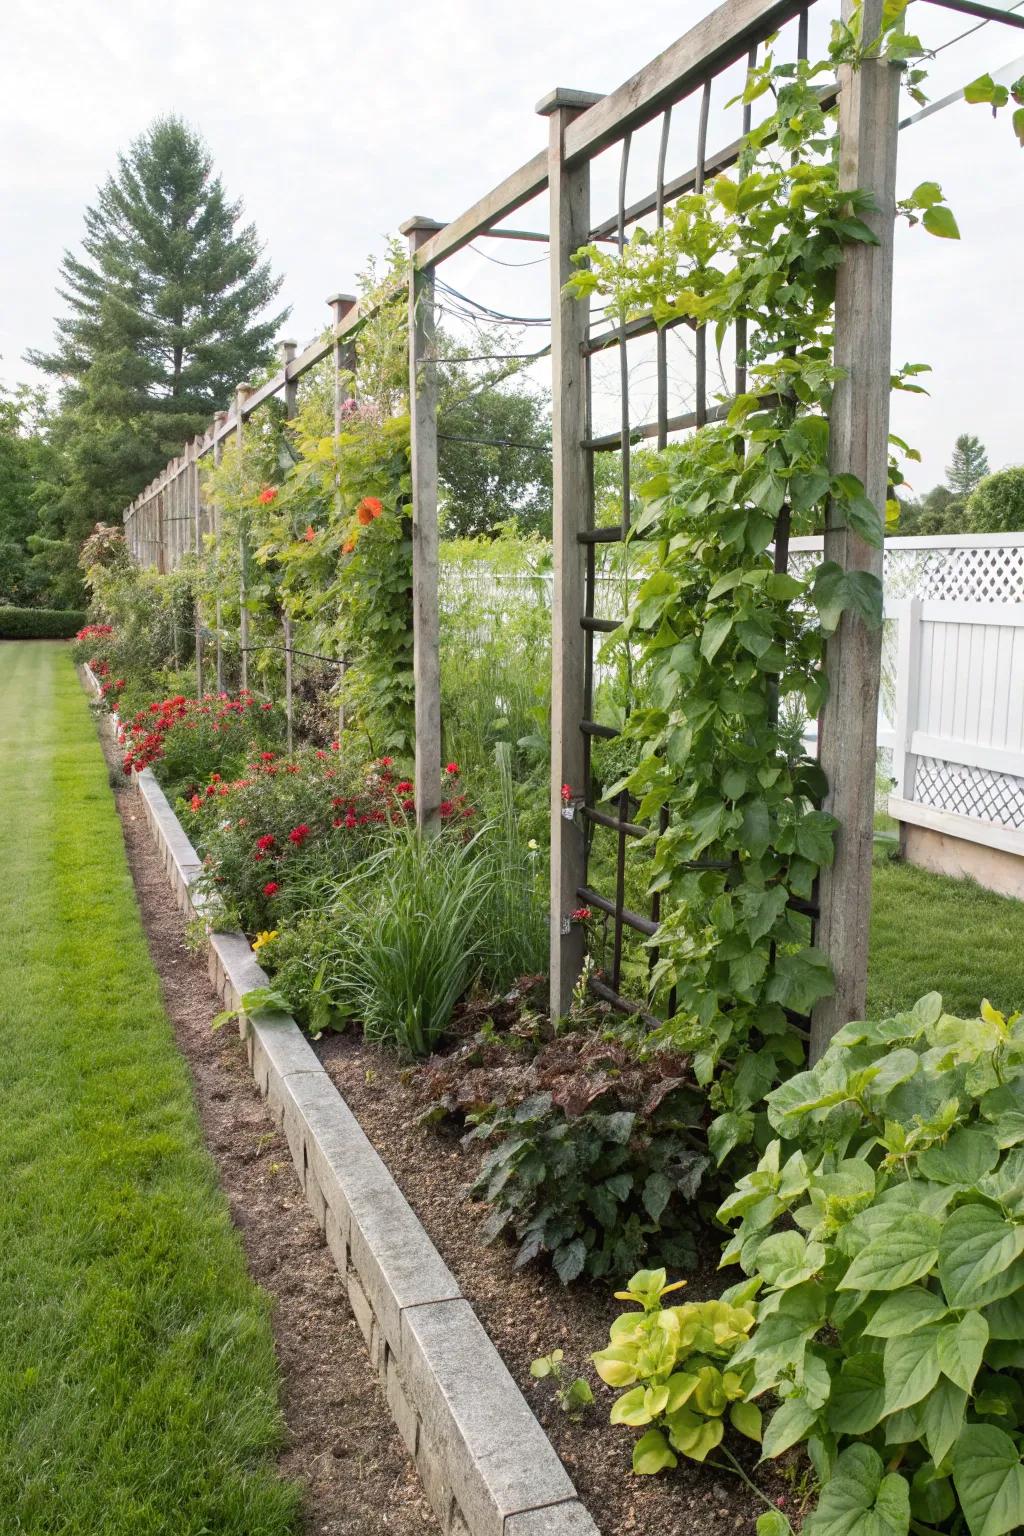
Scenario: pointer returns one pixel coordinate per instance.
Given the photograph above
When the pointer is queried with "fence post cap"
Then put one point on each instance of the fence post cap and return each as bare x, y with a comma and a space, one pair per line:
419, 223
565, 96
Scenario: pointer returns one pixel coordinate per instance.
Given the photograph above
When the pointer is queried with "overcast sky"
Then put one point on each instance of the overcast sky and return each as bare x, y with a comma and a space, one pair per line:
335, 122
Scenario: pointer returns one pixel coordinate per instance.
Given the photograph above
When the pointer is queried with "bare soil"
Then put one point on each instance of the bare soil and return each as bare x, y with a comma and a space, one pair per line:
342, 1443
527, 1313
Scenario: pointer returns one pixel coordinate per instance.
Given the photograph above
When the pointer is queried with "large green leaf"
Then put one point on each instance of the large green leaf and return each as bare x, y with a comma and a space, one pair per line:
859, 1501
941, 1418
858, 1396
904, 1312
789, 1423
897, 1257
968, 1154
989, 1480
911, 1367
977, 1256
961, 1347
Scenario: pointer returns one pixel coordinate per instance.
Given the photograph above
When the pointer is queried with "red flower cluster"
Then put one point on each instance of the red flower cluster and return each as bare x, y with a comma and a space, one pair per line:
270, 888
94, 632
298, 835
144, 738
368, 509
267, 495
581, 914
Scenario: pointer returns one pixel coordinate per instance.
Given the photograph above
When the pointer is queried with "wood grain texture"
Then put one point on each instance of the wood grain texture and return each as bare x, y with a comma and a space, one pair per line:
572, 512
868, 134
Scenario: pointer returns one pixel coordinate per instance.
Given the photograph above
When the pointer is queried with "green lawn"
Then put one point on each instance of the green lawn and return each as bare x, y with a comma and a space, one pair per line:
931, 933
138, 1385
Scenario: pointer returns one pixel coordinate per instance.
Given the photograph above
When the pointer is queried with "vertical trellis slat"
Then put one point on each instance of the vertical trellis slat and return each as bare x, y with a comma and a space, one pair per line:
572, 514
425, 615
242, 393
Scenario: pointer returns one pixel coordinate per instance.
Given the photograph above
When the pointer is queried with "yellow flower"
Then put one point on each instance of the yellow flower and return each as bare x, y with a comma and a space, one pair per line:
264, 938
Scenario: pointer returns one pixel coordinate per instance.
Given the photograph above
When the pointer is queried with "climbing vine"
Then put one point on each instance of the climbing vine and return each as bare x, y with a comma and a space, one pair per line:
728, 645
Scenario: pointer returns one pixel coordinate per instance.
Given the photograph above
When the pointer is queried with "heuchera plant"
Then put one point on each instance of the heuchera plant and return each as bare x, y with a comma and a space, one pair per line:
884, 1229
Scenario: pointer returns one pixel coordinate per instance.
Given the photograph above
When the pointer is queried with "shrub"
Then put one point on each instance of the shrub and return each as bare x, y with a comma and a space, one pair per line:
39, 623
677, 1363
595, 1163
887, 1239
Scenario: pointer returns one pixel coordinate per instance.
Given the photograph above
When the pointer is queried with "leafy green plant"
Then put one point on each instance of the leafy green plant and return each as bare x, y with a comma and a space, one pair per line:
409, 940
572, 1397
678, 1366
885, 1231
596, 1188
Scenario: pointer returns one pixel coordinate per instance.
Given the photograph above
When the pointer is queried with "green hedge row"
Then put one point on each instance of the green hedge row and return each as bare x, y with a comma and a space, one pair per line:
40, 623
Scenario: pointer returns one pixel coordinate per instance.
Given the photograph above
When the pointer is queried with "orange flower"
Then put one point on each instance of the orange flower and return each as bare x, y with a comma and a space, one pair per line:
348, 546
368, 509
310, 534
267, 495
364, 515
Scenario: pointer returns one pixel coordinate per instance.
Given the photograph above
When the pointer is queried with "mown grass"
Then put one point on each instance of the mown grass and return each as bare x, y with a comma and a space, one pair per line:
931, 933
138, 1385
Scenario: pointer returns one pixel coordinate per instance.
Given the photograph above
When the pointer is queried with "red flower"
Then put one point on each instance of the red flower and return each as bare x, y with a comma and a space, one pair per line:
581, 914
310, 534
348, 546
447, 807
267, 495
385, 762
403, 787
298, 834
258, 857
566, 794
266, 841
363, 514
266, 757
265, 707
452, 768
271, 888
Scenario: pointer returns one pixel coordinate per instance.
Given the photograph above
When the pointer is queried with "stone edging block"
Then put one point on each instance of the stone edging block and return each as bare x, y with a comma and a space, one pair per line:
486, 1464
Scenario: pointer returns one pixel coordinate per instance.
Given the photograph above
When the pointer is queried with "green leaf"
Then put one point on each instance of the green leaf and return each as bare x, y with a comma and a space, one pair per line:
989, 1480
961, 1347
786, 1259
859, 1501
911, 1368
716, 630
904, 1312
656, 1194
857, 1401
746, 1417
789, 1423
569, 1260
941, 1418
651, 1454
940, 221
968, 1154
977, 1256
897, 1257
773, 1523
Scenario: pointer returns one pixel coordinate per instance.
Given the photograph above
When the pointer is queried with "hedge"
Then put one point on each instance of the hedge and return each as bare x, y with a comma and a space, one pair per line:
40, 623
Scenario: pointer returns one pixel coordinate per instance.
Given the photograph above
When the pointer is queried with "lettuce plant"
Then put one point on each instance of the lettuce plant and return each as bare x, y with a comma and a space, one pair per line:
678, 1365
884, 1229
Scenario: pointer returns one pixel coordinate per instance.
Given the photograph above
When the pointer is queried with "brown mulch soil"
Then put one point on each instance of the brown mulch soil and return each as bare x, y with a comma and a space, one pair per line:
342, 1446
527, 1313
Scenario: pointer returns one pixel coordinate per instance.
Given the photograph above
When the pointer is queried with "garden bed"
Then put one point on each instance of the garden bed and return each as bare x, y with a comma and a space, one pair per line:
528, 1313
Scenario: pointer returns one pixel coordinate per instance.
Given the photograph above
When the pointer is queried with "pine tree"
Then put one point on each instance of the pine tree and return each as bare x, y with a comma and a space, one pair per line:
163, 319
969, 466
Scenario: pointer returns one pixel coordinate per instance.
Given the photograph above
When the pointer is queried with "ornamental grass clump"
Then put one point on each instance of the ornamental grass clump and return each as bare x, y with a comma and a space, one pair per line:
884, 1231
409, 934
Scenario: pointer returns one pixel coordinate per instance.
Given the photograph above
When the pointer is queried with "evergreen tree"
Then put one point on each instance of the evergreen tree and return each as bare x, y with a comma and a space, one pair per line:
163, 320
969, 466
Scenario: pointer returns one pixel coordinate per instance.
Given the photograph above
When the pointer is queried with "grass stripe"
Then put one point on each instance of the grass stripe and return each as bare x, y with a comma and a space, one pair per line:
138, 1385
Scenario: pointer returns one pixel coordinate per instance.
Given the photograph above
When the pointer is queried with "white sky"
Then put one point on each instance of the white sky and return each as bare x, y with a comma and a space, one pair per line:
334, 122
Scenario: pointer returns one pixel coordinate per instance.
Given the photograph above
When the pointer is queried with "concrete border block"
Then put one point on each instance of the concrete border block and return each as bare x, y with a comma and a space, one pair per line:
468, 1402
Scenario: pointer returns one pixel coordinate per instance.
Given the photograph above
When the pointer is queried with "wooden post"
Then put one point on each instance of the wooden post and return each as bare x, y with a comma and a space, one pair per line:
286, 351
573, 512
868, 132
242, 394
425, 617
219, 418
197, 530
343, 357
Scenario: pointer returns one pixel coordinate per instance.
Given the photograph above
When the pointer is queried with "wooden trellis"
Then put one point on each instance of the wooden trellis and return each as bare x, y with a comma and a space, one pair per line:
168, 519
